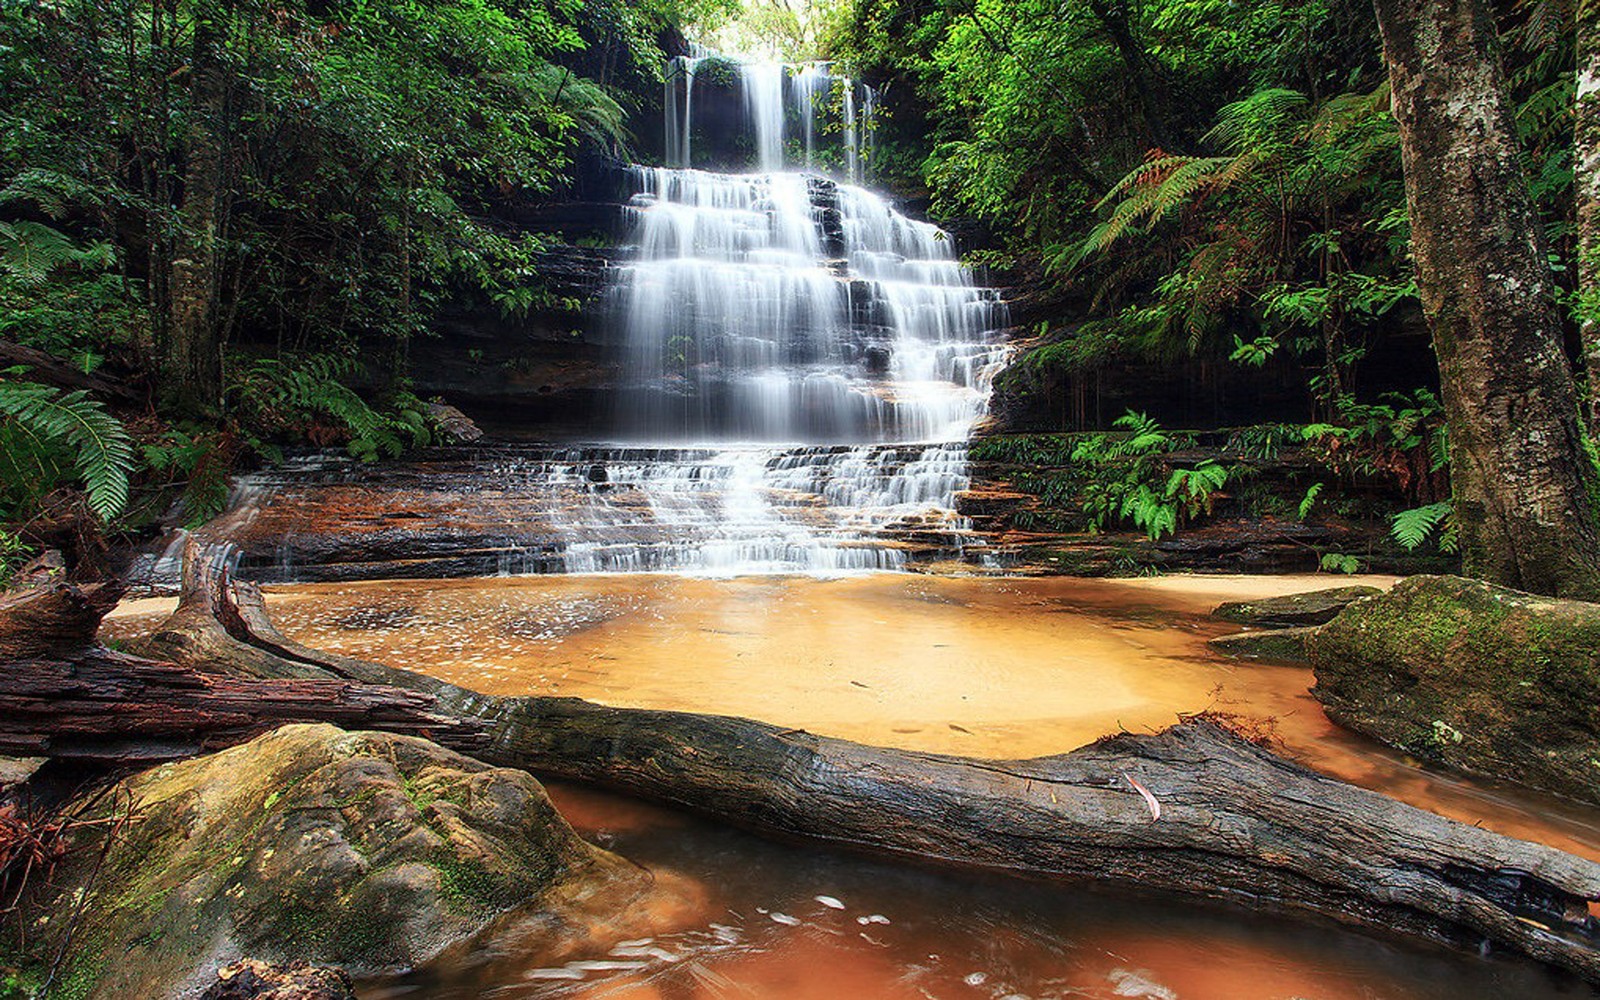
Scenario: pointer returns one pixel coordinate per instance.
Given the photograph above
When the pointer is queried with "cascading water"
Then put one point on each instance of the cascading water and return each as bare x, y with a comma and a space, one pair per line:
804, 362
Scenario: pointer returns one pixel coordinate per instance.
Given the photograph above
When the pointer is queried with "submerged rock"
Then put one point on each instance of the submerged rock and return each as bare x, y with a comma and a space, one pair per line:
366, 851
1484, 678
1287, 644
1312, 608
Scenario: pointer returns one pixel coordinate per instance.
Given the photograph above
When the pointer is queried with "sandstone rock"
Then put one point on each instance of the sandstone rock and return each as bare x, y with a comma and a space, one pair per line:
1483, 678
367, 851
1313, 608
1286, 644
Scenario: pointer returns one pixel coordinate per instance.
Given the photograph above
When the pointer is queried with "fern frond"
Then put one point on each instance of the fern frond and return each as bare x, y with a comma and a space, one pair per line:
1262, 119
101, 449
1310, 500
1412, 527
30, 251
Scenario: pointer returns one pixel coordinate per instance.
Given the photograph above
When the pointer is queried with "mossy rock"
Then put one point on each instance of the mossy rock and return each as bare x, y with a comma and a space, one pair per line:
1312, 608
1284, 645
365, 851
1482, 678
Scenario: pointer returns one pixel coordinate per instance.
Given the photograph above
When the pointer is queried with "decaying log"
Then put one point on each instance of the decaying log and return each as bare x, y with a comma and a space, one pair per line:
196, 635
1194, 810
48, 368
105, 707
53, 617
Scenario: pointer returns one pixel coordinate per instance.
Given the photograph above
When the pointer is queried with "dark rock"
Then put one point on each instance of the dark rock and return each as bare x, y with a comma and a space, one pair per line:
1283, 644
251, 979
1313, 608
1483, 678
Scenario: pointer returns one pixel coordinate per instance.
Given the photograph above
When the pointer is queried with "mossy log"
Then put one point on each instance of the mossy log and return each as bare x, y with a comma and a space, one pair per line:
1195, 810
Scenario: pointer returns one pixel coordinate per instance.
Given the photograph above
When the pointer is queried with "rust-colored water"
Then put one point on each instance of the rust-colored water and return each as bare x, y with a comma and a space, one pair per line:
983, 667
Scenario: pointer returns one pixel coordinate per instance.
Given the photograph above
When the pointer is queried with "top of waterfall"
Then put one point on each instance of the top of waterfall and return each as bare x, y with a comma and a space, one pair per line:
788, 107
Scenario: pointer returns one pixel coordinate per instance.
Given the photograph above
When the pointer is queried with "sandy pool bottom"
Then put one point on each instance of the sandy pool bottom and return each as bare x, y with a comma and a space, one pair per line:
979, 666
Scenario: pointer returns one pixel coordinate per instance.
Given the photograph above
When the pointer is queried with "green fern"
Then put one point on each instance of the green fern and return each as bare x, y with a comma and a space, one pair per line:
30, 251
1413, 527
101, 450
1310, 500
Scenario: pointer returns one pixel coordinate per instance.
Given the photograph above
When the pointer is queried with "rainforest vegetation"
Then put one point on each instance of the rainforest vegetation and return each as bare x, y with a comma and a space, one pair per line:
244, 216
773, 372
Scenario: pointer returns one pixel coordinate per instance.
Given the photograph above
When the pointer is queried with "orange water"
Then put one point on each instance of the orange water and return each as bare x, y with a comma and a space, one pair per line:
984, 667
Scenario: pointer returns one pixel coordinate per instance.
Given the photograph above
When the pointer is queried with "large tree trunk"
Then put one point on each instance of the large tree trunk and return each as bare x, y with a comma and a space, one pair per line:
1586, 138
1524, 487
194, 353
1195, 810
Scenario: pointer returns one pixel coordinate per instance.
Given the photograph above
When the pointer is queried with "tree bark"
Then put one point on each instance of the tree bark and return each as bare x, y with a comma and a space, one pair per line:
108, 708
52, 618
1586, 139
1115, 17
194, 353
1524, 487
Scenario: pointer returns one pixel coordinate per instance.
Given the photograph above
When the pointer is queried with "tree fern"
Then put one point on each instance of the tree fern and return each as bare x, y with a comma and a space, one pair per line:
101, 451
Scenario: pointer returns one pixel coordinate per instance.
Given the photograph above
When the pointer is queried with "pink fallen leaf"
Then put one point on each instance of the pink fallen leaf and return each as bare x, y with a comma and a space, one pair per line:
1149, 800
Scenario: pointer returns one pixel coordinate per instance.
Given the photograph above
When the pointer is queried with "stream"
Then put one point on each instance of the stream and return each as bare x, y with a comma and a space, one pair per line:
1008, 667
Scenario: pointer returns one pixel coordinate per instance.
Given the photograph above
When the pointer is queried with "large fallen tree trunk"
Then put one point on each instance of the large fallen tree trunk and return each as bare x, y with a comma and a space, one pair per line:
1196, 809
104, 707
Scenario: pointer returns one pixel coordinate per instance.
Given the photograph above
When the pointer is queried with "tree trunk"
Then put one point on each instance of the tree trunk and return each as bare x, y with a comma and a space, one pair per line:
1524, 487
194, 352
1586, 139
1115, 17
102, 707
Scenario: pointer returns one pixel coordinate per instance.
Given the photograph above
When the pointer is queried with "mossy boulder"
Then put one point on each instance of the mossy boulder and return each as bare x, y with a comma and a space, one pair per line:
1312, 608
1286, 645
1482, 678
365, 851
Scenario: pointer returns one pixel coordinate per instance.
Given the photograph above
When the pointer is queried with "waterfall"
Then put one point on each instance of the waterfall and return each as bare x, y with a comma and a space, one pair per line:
804, 362
852, 146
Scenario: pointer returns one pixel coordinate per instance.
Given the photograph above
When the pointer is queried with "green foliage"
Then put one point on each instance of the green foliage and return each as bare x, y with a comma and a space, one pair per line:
1309, 500
14, 552
42, 424
201, 461
306, 398
1411, 528
1339, 562
1130, 479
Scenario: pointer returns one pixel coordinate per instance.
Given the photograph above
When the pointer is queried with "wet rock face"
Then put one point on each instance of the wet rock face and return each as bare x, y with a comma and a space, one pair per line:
365, 851
1483, 678
1313, 608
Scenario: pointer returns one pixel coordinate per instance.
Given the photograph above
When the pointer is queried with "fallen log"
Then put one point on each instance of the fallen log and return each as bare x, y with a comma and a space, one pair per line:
109, 708
1195, 810
48, 368
52, 617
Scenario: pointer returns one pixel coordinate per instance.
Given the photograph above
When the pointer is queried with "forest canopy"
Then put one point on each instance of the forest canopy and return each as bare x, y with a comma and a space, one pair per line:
253, 211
